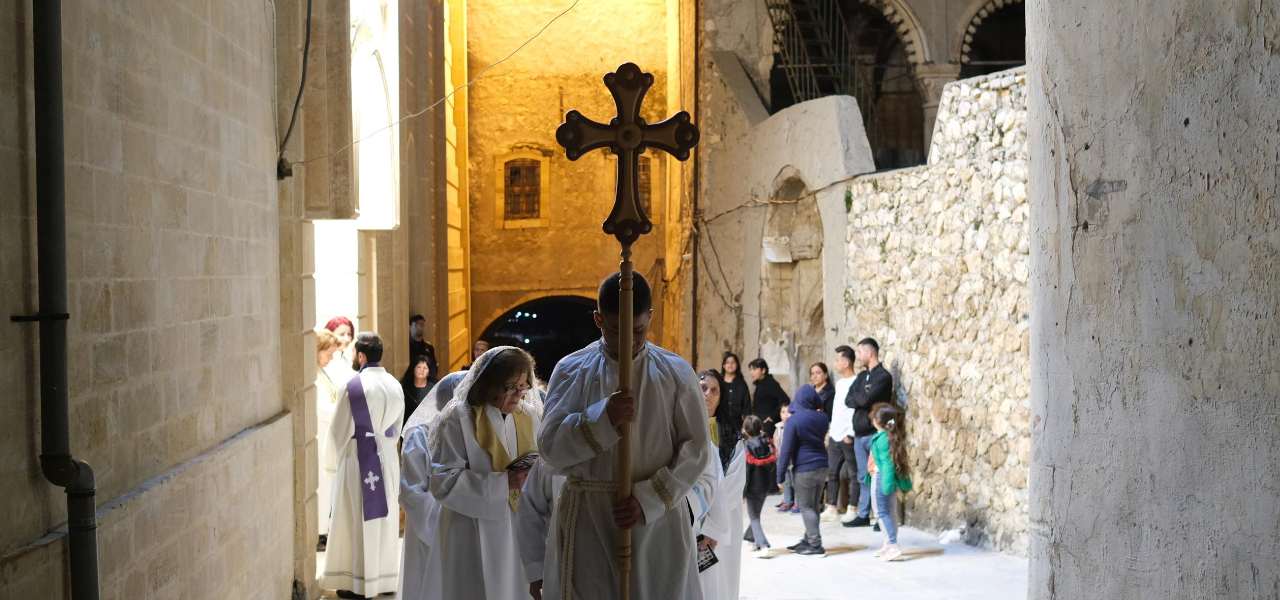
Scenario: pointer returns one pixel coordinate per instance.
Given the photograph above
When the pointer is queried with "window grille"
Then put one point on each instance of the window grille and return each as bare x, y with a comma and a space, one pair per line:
523, 193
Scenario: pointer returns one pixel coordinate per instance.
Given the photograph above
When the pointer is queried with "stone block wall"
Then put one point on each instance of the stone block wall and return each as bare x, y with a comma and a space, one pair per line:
937, 273
175, 393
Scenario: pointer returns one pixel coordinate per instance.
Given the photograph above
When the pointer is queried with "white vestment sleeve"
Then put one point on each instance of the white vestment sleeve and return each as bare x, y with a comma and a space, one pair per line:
415, 483
573, 432
476, 494
668, 484
702, 495
341, 429
533, 517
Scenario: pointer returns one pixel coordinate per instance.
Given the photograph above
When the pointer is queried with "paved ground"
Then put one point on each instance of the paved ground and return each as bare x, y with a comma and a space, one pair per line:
935, 571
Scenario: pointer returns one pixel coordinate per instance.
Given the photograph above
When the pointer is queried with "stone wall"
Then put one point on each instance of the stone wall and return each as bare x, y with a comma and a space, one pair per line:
937, 273
517, 106
174, 300
1155, 336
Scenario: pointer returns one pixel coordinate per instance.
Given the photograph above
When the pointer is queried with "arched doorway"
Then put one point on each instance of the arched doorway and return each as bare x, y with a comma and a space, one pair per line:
549, 328
997, 42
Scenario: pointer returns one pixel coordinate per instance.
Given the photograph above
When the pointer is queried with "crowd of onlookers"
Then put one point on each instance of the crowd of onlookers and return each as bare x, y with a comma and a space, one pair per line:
836, 443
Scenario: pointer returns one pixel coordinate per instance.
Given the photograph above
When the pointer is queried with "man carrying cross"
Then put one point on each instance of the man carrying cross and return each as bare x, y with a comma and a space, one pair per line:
362, 559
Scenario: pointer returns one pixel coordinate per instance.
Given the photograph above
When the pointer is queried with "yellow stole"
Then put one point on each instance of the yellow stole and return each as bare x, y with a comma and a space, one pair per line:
489, 441
715, 432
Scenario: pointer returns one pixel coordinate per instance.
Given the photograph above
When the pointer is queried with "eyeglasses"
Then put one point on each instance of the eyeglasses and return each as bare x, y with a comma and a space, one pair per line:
522, 388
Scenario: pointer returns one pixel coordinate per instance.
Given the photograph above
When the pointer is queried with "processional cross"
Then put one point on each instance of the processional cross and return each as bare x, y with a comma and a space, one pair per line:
627, 135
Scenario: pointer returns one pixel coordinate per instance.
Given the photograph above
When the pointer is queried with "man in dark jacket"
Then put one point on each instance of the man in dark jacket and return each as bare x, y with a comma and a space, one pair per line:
769, 397
870, 387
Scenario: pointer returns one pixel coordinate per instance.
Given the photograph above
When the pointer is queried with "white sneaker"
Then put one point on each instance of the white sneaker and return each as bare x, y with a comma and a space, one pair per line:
850, 514
880, 551
892, 553
830, 515
762, 553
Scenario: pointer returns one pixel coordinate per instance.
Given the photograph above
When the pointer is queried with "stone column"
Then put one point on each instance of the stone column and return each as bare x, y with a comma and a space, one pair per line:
931, 78
1155, 328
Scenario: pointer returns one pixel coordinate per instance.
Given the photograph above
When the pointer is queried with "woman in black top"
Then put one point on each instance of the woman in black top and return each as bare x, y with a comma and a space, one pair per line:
416, 383
735, 396
820, 378
769, 398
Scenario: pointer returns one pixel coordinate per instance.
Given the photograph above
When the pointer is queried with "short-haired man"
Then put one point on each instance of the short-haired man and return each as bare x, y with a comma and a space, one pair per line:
670, 447
364, 533
419, 346
870, 387
840, 460
768, 400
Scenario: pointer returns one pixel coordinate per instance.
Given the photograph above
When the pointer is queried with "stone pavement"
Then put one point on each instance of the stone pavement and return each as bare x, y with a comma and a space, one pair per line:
935, 571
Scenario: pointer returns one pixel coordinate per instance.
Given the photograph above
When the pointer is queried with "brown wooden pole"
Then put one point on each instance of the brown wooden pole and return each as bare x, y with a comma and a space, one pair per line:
622, 468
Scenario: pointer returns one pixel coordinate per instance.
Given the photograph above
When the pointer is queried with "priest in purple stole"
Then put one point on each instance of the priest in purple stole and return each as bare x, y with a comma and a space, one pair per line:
363, 554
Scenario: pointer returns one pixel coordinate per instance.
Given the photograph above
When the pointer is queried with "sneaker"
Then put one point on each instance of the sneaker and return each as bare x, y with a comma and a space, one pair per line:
849, 515
795, 509
810, 550
857, 522
762, 553
830, 514
880, 551
785, 506
892, 553
875, 527
798, 545
782, 504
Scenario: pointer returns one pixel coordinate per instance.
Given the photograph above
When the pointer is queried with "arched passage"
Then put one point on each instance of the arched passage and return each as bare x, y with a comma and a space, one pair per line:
995, 39
549, 328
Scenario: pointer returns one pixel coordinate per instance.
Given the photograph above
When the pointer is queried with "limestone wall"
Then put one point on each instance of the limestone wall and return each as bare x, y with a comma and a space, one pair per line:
937, 273
174, 300
517, 106
1155, 342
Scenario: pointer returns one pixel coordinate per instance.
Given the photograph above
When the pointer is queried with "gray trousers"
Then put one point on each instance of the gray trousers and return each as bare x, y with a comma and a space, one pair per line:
809, 485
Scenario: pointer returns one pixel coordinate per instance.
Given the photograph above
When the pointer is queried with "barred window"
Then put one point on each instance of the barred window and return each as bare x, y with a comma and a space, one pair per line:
523, 188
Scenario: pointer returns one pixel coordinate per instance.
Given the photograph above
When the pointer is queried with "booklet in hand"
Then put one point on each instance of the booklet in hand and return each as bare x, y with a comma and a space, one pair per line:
524, 463
706, 557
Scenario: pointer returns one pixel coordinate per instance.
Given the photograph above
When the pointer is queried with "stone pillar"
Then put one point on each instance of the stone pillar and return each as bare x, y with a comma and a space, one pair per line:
1155, 329
931, 78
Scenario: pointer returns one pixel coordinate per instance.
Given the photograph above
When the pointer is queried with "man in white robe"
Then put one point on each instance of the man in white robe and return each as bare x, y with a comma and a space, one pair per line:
473, 447
364, 532
669, 448
533, 522
422, 512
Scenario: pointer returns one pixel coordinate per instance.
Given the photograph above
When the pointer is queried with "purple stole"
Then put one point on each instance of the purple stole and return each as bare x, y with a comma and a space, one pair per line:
375, 499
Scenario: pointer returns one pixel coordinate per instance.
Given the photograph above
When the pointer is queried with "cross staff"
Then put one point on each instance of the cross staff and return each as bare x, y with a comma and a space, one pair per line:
627, 135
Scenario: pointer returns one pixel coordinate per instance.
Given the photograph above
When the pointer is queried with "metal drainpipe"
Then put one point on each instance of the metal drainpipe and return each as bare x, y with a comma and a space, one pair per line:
59, 467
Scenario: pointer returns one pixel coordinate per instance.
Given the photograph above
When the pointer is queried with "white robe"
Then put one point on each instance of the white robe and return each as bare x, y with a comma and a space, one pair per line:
723, 523
328, 392
363, 556
421, 510
422, 513
670, 446
475, 536
533, 518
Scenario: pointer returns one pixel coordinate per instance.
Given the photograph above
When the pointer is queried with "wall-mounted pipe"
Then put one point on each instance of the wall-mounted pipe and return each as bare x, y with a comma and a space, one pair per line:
59, 467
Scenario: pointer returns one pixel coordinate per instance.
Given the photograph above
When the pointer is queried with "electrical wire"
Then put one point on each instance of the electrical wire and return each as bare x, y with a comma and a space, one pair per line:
455, 90
282, 169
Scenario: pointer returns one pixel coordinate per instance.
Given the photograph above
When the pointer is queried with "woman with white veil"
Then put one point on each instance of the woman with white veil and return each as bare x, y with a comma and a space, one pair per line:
422, 512
482, 446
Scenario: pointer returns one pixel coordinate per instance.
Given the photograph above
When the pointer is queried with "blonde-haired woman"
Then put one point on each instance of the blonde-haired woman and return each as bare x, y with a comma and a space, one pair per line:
482, 446
328, 391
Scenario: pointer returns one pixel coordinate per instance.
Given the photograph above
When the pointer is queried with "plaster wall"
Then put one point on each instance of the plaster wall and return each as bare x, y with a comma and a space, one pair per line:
1155, 336
518, 105
937, 273
174, 298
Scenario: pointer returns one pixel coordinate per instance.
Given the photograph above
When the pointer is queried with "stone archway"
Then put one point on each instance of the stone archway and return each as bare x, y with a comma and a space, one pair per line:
792, 332
549, 327
988, 15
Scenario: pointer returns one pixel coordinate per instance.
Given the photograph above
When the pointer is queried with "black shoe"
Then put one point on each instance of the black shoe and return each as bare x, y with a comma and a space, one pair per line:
858, 522
349, 594
810, 550
798, 545
875, 527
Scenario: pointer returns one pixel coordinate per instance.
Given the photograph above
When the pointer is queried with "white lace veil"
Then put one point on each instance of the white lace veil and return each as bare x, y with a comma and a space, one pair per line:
530, 402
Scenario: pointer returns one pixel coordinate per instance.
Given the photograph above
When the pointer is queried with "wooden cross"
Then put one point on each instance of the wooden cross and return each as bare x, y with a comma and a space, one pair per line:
627, 135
